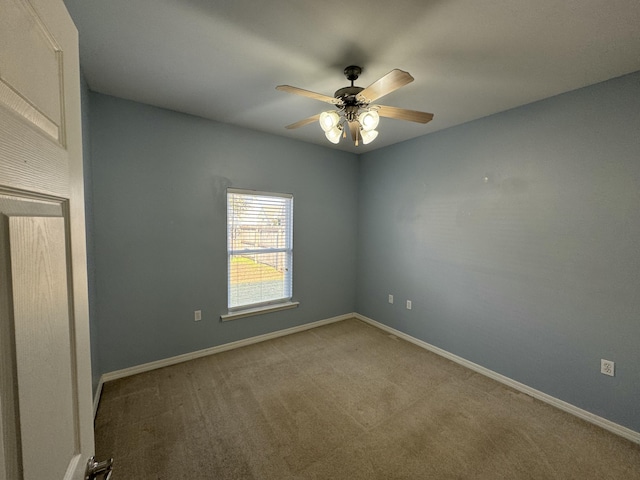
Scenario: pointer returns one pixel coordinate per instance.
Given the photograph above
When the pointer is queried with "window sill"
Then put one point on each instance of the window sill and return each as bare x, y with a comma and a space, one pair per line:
249, 312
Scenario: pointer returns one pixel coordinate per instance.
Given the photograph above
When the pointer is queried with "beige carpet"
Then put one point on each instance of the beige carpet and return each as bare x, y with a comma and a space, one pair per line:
343, 401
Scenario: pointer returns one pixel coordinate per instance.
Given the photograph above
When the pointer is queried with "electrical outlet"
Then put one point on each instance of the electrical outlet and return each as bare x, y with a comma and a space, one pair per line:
197, 315
607, 367
390, 298
408, 304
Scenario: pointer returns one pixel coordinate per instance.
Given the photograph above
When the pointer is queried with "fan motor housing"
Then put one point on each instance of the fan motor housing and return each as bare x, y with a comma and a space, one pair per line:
348, 94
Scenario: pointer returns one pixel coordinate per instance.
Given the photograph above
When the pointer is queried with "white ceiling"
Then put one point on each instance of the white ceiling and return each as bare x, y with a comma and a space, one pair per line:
223, 59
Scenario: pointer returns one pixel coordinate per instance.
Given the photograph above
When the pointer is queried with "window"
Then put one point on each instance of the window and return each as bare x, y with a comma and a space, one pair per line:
260, 251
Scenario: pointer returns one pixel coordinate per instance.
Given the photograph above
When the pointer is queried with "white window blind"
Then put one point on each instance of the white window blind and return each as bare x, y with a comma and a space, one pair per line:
260, 248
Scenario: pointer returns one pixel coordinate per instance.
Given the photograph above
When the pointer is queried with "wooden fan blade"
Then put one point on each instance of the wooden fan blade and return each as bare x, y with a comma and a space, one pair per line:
404, 114
354, 128
307, 93
304, 122
385, 85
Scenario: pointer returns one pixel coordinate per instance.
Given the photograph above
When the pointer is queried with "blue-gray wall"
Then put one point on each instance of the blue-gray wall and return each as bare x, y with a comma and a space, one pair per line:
533, 273
159, 200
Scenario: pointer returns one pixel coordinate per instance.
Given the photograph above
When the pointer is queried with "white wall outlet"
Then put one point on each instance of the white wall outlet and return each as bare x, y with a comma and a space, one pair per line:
197, 315
390, 298
408, 304
607, 367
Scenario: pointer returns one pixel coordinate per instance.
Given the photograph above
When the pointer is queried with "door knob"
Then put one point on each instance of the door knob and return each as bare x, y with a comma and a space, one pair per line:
98, 470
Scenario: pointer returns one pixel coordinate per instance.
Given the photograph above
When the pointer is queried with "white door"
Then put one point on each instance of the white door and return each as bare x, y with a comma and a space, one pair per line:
46, 420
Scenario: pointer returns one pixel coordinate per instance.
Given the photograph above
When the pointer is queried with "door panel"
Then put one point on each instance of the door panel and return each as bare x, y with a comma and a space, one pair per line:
43, 345
35, 70
46, 414
10, 433
31, 87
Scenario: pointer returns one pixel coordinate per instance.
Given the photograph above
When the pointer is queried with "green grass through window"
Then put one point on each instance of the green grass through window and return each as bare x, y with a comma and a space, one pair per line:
246, 270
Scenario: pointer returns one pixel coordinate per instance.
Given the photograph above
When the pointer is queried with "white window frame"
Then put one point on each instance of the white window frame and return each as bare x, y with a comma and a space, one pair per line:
245, 310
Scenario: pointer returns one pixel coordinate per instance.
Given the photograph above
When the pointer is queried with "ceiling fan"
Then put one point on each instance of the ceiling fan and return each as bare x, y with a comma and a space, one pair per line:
355, 108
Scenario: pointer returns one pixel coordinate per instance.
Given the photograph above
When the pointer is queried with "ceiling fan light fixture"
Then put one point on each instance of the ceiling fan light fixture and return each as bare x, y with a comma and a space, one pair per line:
334, 134
329, 120
368, 136
369, 120
354, 109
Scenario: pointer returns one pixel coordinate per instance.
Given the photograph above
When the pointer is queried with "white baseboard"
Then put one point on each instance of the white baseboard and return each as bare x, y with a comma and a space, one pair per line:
126, 372
562, 405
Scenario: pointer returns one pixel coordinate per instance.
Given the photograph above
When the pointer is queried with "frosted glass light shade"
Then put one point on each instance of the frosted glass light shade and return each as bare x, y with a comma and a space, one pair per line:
369, 120
333, 135
329, 120
368, 136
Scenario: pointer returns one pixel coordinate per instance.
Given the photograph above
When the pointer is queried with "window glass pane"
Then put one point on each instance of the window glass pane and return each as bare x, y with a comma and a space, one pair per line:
258, 278
259, 242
